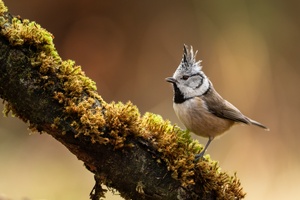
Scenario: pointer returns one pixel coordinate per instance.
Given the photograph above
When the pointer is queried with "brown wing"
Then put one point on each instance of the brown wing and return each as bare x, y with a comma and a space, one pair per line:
229, 111
222, 108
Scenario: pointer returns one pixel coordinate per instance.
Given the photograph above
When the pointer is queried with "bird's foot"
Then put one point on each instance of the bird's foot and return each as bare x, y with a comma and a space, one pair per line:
199, 156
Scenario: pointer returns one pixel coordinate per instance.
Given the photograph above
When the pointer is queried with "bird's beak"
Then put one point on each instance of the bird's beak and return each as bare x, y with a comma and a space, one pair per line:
171, 80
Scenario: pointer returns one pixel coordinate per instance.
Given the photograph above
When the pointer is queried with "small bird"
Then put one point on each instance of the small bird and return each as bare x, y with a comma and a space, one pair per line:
198, 105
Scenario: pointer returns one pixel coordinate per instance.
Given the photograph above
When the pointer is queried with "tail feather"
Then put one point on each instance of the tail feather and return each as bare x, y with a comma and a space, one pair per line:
258, 124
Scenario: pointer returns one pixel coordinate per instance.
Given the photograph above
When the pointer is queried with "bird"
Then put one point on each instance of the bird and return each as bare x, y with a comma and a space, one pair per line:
198, 105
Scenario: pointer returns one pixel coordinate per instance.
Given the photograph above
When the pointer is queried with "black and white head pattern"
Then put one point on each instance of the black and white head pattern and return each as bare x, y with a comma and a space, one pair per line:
190, 79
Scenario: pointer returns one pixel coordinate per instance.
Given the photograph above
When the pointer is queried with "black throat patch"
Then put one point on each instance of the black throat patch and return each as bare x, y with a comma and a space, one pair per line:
178, 96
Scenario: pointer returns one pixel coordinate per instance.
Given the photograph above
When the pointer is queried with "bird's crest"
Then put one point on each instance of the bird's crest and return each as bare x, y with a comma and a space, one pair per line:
189, 58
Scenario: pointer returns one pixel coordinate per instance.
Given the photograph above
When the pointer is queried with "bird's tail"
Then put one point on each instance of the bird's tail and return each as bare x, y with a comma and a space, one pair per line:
258, 124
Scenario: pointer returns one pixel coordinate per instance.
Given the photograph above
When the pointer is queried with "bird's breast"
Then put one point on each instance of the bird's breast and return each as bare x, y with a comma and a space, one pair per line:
194, 114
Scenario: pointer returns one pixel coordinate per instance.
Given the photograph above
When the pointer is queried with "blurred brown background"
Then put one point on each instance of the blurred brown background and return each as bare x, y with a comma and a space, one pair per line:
250, 51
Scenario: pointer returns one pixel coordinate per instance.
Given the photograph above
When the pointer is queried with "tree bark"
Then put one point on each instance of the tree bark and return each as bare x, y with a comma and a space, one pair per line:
141, 157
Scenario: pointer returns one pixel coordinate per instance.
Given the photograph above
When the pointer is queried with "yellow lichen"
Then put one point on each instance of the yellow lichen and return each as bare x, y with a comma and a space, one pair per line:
176, 146
90, 117
121, 120
76, 82
3, 8
20, 31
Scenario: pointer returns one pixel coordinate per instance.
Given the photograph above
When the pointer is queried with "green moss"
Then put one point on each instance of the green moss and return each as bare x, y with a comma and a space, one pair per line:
75, 80
20, 32
176, 146
3, 8
122, 120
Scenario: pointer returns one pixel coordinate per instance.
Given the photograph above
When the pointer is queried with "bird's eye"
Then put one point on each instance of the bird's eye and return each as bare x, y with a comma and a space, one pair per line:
185, 77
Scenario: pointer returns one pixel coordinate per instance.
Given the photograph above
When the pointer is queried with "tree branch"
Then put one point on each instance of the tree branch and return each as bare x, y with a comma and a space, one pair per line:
141, 157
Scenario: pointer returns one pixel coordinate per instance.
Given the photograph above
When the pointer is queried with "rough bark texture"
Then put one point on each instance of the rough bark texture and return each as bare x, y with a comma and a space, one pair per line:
33, 85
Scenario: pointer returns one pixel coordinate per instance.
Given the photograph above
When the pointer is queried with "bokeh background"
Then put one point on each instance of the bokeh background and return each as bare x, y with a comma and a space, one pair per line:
250, 51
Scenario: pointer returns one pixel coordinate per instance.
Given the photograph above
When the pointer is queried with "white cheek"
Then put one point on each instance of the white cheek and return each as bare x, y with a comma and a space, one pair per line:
192, 89
190, 92
204, 87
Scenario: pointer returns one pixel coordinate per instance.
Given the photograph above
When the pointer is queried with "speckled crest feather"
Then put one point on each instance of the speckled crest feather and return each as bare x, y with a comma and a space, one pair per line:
189, 58
197, 83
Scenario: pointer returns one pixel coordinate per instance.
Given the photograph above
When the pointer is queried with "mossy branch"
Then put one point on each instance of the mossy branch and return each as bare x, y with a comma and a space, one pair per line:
143, 157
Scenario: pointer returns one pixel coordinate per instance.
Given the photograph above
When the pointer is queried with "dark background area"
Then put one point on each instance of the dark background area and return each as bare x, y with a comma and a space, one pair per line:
250, 51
